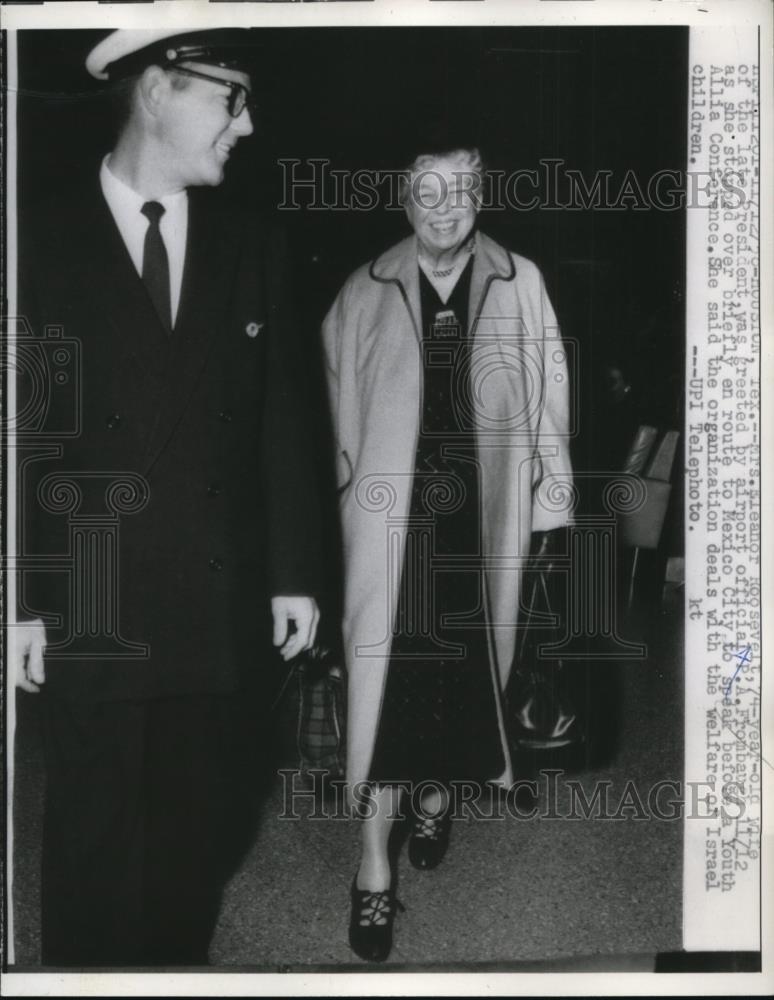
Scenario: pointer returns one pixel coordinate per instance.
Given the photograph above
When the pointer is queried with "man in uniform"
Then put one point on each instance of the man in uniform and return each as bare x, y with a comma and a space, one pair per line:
175, 536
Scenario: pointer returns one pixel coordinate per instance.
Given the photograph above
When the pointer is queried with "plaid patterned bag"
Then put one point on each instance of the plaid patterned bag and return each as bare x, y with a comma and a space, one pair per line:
321, 714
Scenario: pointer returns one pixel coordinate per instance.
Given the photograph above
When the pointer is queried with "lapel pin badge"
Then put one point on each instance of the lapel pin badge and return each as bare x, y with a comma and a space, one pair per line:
253, 329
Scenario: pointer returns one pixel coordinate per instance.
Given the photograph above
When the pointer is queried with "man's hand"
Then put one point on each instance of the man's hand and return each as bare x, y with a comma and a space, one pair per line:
303, 611
26, 644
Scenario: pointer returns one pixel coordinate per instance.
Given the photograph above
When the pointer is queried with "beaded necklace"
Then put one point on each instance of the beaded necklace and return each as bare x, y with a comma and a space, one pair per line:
444, 279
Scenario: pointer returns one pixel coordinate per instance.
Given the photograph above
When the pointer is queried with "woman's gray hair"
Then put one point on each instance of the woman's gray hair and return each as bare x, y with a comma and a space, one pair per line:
423, 163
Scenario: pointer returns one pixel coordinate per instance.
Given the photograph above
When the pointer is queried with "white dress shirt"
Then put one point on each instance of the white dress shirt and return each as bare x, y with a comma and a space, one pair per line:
126, 205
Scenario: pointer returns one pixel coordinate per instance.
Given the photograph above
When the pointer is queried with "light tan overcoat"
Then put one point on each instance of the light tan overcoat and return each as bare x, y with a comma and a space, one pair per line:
520, 401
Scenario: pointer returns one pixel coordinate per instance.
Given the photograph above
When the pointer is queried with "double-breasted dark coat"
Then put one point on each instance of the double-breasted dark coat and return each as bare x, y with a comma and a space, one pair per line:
166, 490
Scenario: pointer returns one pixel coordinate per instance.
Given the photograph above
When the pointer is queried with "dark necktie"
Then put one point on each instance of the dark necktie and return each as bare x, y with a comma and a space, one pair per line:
155, 264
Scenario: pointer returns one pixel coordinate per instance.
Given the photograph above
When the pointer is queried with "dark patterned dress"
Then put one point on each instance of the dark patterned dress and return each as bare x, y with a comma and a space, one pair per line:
439, 717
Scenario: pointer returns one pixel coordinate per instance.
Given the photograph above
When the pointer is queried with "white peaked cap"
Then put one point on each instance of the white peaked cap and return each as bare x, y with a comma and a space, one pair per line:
130, 49
119, 44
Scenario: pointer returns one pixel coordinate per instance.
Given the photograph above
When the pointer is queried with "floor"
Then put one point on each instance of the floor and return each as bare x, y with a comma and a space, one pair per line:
542, 893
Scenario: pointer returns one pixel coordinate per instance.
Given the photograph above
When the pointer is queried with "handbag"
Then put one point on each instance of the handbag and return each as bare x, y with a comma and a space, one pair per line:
542, 694
320, 736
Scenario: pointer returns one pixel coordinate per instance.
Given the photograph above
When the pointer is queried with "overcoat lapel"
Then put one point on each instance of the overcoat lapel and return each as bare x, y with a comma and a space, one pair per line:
491, 263
167, 368
118, 290
398, 266
202, 315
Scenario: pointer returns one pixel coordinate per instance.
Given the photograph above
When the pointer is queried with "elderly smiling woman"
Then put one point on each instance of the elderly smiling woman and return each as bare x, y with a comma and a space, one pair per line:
449, 394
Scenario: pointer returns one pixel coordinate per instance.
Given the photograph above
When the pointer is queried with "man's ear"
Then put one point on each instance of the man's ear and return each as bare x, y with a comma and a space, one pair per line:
153, 89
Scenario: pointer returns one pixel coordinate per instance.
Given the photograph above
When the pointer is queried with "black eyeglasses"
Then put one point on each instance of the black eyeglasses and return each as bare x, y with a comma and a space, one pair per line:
239, 96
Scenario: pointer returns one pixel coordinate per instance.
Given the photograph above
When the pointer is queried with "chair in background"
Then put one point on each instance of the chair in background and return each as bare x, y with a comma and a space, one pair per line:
652, 460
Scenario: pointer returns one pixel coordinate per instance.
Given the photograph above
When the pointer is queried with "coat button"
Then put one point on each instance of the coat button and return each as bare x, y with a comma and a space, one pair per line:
253, 329
214, 490
215, 564
226, 416
114, 421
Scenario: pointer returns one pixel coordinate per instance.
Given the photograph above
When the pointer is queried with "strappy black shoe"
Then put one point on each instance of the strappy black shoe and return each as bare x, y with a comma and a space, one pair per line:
370, 922
428, 842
